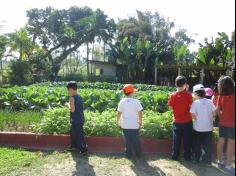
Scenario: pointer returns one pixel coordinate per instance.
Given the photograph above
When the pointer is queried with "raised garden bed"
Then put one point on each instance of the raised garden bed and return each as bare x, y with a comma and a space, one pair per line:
96, 144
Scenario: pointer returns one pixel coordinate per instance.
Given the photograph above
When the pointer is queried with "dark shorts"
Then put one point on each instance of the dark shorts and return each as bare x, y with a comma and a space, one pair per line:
226, 132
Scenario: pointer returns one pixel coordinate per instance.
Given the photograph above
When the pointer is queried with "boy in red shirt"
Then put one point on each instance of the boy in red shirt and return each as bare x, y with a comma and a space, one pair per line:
226, 108
180, 102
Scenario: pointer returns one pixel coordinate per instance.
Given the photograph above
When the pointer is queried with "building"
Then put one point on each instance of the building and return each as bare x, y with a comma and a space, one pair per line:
101, 68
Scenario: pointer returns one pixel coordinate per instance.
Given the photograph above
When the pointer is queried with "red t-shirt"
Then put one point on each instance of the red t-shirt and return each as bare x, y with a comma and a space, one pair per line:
226, 104
215, 98
181, 103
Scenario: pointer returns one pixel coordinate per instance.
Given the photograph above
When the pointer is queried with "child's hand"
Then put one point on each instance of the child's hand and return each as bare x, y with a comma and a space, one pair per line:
140, 125
67, 104
187, 87
118, 124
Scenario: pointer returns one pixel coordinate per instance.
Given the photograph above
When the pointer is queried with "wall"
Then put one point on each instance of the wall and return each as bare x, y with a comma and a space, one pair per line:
108, 70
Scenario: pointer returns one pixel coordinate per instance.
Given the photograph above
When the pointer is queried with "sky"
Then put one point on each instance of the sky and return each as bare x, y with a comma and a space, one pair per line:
202, 17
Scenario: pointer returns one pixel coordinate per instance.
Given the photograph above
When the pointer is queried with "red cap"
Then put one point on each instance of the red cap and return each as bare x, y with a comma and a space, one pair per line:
129, 88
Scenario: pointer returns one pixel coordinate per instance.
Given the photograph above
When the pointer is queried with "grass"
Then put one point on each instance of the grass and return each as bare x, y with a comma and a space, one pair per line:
13, 159
18, 121
21, 162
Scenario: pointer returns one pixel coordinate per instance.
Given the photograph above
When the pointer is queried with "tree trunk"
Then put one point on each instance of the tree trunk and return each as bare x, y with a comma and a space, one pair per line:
21, 53
56, 62
104, 50
66, 66
88, 59
1, 64
92, 59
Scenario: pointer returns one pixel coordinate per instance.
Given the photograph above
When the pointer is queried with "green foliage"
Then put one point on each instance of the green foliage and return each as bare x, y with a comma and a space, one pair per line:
56, 121
20, 73
15, 159
42, 96
19, 120
64, 31
3, 45
218, 51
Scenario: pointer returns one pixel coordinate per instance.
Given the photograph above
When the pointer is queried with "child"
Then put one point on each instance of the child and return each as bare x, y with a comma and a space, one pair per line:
129, 117
209, 93
77, 119
203, 111
215, 100
226, 108
180, 102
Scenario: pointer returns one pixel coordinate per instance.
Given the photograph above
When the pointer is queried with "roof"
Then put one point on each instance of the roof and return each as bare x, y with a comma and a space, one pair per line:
104, 63
194, 67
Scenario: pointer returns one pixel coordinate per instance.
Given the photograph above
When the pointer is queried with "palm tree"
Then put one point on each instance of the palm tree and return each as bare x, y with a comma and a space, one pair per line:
21, 43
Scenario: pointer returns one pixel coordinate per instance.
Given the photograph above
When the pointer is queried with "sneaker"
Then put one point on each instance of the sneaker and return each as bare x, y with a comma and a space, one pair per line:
195, 161
174, 158
229, 170
221, 165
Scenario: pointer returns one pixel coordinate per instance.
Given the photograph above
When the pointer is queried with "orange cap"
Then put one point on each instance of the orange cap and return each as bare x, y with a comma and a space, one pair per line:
129, 88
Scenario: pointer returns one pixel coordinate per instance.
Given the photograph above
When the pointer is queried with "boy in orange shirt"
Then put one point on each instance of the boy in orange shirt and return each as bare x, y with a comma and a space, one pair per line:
180, 102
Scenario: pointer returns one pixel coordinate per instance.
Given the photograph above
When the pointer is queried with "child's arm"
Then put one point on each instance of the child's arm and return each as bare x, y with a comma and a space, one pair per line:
118, 118
140, 115
194, 117
72, 104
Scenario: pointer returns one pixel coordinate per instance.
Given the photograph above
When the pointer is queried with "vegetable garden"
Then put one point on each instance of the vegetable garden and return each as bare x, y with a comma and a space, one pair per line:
40, 108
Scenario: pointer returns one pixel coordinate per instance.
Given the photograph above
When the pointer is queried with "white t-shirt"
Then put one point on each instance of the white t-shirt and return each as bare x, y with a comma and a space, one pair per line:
203, 109
129, 107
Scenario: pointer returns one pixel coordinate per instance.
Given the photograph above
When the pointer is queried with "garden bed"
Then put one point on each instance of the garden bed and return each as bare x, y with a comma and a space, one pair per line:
96, 144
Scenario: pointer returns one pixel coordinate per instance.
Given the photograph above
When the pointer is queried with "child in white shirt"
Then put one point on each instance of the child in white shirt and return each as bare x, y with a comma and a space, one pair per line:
202, 111
129, 117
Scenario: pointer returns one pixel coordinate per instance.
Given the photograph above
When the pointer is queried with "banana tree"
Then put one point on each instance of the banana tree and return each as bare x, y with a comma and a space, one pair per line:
20, 42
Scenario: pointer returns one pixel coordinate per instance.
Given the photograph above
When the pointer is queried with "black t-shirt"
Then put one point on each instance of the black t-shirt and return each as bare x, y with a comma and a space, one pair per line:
78, 115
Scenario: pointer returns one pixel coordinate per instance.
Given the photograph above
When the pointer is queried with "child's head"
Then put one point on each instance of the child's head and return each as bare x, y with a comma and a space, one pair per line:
226, 86
128, 89
209, 93
181, 82
199, 91
72, 88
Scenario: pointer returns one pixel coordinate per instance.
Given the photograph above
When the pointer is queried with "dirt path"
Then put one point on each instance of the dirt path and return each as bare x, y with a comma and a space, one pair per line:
67, 164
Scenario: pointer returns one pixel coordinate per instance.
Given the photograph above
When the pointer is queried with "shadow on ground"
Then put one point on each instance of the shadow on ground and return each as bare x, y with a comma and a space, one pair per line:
82, 168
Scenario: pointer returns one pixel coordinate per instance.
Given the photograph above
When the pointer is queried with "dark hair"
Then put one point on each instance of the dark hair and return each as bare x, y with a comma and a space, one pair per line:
226, 86
201, 93
127, 94
180, 81
72, 85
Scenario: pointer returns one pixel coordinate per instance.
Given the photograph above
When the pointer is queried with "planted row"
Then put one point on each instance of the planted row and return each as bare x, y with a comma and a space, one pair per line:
109, 86
43, 97
155, 125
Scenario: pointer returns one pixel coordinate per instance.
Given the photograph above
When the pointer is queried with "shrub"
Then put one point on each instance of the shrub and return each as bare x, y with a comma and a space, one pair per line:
56, 121
20, 73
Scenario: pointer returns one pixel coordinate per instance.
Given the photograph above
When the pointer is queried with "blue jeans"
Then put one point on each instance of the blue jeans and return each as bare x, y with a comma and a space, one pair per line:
132, 142
182, 131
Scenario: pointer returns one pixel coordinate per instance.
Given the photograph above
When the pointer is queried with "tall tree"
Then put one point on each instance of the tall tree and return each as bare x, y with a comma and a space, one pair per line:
61, 32
20, 42
3, 46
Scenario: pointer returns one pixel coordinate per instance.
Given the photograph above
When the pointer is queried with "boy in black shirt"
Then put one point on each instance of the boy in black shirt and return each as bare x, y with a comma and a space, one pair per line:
76, 119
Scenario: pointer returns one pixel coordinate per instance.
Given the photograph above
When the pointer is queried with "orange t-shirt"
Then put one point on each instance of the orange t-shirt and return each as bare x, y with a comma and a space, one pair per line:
181, 103
226, 105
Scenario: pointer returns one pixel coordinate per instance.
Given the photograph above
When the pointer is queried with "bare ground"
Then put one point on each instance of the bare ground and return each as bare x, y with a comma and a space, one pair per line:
72, 164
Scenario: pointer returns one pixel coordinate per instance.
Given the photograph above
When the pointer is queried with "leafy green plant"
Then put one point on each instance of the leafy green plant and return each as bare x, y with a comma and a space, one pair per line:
19, 121
54, 121
42, 97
